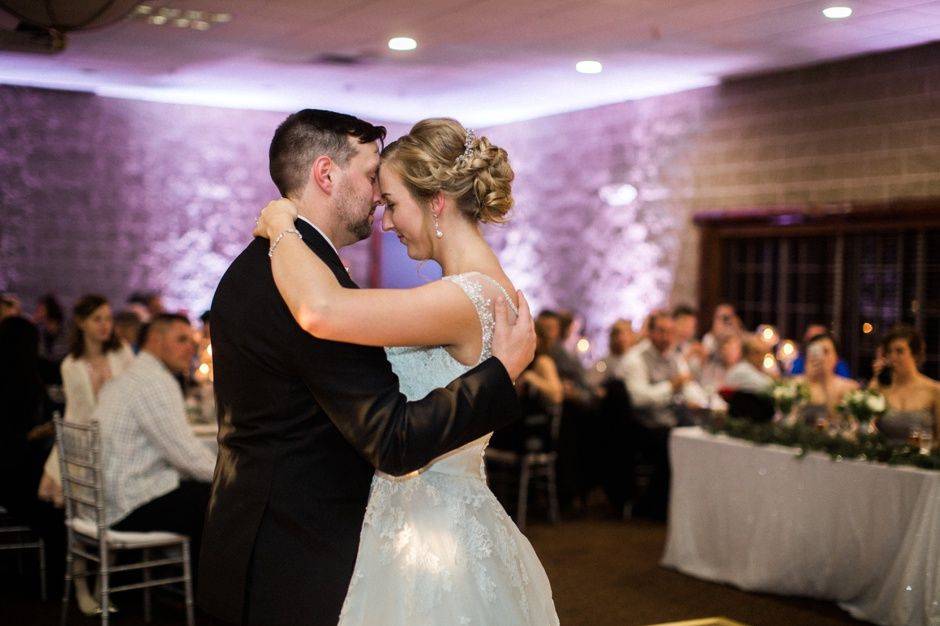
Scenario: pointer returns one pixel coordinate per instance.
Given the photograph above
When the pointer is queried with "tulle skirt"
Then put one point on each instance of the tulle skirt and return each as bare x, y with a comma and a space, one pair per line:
438, 548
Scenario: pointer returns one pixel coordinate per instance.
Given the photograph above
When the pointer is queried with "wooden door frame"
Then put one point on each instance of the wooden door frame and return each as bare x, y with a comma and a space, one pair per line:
809, 220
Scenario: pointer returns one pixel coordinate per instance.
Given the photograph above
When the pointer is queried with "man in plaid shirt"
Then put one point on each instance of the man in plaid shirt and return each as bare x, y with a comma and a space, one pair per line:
157, 474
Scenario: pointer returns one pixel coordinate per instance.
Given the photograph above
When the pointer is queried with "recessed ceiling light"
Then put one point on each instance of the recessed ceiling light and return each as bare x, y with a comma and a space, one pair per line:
589, 67
402, 43
200, 25
157, 20
837, 13
181, 23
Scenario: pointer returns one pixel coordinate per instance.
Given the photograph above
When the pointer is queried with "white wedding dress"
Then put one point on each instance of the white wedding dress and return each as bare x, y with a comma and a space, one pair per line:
436, 547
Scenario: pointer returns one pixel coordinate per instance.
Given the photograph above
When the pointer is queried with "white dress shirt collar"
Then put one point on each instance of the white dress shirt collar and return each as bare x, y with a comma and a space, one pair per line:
152, 361
322, 234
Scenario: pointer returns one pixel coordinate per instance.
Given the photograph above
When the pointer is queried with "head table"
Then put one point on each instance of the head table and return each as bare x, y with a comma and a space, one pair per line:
866, 535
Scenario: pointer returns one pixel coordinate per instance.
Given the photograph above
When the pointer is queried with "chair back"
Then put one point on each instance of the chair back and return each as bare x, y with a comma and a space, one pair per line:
540, 431
554, 425
81, 468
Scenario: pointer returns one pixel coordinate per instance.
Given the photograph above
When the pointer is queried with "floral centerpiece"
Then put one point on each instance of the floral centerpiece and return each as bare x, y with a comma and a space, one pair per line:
864, 405
874, 447
788, 395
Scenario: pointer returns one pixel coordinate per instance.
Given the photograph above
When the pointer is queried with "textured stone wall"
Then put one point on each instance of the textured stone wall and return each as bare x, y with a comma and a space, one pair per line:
111, 195
861, 130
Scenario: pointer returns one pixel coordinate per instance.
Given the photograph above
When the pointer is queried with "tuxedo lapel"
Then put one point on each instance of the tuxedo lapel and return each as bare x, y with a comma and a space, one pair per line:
322, 248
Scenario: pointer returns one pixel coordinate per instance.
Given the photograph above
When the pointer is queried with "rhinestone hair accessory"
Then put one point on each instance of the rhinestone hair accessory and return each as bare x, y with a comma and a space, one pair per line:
467, 149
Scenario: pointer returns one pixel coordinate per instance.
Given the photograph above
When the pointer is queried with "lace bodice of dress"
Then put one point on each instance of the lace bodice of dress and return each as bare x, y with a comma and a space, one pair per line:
423, 369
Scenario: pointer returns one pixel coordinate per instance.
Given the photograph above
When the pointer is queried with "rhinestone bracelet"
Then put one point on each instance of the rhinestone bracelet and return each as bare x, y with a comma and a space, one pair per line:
281, 236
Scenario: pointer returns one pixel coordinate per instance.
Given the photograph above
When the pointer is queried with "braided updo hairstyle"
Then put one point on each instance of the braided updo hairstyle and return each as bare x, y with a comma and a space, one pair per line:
427, 160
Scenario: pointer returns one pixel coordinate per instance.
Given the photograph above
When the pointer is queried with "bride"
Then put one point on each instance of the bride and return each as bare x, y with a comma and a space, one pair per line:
436, 546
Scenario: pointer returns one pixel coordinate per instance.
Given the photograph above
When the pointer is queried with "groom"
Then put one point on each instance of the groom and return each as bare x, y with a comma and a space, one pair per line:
304, 422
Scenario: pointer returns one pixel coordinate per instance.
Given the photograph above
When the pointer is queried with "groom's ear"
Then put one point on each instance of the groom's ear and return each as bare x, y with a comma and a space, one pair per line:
321, 174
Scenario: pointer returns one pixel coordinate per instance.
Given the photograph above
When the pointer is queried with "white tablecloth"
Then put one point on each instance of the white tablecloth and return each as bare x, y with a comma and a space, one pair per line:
865, 535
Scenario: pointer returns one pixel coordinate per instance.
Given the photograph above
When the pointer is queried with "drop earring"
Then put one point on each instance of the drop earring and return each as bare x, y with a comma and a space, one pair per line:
437, 229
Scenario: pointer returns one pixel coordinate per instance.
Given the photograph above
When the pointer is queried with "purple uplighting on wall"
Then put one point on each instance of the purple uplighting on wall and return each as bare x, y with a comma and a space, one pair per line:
567, 246
112, 196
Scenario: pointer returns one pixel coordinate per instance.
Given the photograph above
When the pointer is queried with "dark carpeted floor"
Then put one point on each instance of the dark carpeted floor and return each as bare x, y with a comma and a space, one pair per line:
603, 572
606, 572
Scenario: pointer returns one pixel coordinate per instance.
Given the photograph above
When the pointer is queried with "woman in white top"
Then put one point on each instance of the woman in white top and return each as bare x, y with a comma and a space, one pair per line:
95, 356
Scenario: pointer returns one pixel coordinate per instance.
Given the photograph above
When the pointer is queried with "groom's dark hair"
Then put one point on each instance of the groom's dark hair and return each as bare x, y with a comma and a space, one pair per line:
307, 134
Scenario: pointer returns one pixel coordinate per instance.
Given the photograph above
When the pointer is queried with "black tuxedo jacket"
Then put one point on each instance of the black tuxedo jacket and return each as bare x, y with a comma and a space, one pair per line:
303, 423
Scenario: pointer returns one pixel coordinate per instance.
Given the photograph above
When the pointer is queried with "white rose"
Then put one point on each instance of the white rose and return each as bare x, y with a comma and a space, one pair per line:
876, 403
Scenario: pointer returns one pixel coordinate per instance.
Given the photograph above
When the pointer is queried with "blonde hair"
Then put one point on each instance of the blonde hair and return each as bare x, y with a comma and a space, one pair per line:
427, 160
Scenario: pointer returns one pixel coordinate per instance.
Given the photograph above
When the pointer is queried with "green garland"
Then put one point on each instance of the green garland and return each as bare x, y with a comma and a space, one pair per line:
873, 448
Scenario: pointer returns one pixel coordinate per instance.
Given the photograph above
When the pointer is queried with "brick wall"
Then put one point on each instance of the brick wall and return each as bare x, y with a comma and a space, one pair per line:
111, 196
864, 129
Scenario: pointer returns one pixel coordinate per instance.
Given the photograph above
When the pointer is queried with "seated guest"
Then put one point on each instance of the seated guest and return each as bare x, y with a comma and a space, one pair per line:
154, 303
205, 335
658, 379
26, 436
127, 326
725, 322
689, 347
10, 306
620, 340
826, 388
146, 304
157, 474
561, 328
541, 377
748, 374
716, 368
23, 420
575, 464
95, 356
49, 318
540, 388
206, 331
913, 399
799, 363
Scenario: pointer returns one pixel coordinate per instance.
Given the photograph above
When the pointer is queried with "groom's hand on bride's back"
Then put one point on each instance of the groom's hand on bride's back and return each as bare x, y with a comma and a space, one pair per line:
514, 342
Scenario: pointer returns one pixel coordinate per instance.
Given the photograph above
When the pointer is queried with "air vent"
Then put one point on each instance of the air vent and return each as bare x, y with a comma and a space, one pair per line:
344, 60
